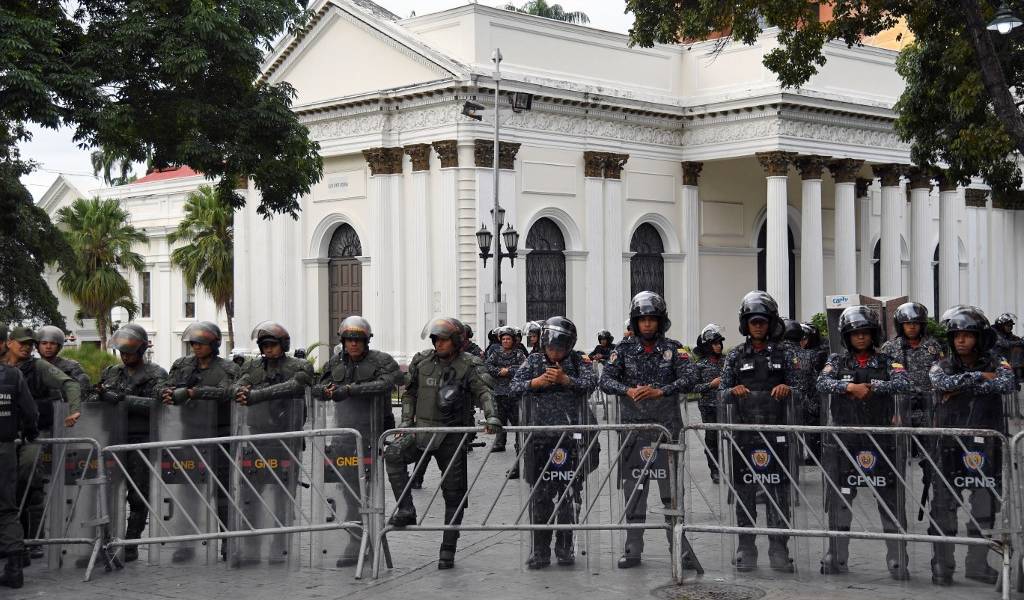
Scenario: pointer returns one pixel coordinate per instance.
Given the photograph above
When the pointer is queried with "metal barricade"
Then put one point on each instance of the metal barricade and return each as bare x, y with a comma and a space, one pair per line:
255, 465
956, 460
570, 457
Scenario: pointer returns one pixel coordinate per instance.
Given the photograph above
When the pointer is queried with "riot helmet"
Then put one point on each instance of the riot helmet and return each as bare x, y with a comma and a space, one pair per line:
793, 332
130, 339
270, 331
909, 312
952, 310
970, 319
49, 333
493, 336
711, 334
558, 333
812, 335
859, 318
649, 304
604, 334
761, 304
517, 334
445, 328
1006, 321
355, 328
203, 332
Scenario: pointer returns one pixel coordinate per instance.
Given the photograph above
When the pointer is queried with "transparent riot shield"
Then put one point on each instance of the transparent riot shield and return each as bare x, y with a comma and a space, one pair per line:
265, 478
760, 469
87, 501
183, 488
872, 467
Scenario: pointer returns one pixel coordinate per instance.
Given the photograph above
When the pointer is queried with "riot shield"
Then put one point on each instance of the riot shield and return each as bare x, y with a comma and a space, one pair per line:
87, 502
183, 489
265, 483
760, 468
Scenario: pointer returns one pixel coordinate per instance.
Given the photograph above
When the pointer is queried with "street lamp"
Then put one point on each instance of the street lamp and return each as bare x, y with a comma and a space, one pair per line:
1005, 20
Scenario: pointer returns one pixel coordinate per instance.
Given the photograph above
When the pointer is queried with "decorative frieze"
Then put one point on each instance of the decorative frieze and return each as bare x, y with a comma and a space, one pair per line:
384, 161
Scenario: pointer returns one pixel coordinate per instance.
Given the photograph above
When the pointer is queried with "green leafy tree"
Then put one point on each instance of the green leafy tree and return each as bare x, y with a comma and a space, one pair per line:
550, 11
103, 164
102, 240
178, 81
207, 259
963, 83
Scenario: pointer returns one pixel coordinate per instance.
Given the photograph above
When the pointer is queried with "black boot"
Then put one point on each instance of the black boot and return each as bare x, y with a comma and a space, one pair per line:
13, 577
406, 513
446, 557
563, 549
133, 532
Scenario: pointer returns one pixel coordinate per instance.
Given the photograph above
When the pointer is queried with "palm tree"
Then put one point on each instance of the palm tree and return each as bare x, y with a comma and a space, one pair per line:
104, 163
208, 257
101, 239
550, 11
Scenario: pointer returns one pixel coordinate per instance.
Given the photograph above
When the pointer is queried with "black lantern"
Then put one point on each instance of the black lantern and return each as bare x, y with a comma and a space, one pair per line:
501, 218
511, 238
483, 239
1005, 20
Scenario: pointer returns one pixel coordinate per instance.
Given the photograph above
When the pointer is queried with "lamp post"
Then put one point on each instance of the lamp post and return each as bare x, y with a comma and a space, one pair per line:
1005, 20
496, 310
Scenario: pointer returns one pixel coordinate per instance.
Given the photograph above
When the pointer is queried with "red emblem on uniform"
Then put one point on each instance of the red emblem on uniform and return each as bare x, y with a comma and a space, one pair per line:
866, 459
974, 460
760, 458
648, 454
559, 456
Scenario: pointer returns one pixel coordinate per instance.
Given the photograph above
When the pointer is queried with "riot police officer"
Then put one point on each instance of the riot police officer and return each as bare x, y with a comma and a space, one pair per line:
709, 346
532, 331
968, 384
468, 345
493, 342
864, 388
51, 342
1008, 345
135, 383
648, 372
605, 345
272, 390
917, 352
555, 384
48, 385
18, 418
360, 381
813, 356
757, 381
502, 366
443, 385
198, 379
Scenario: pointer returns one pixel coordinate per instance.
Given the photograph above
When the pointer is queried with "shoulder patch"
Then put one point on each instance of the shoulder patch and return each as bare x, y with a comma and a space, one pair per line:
667, 355
613, 357
898, 367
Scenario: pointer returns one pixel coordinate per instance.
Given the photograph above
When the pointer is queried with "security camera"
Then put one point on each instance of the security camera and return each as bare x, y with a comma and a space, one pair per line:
471, 108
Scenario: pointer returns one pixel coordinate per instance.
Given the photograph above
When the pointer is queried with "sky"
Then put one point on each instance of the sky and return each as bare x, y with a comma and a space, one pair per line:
57, 153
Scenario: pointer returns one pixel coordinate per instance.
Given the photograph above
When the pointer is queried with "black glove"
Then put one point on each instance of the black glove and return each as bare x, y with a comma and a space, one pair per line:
30, 434
111, 396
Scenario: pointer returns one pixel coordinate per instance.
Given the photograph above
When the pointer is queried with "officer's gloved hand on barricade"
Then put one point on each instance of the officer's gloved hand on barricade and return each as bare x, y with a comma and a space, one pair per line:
180, 396
492, 425
109, 396
30, 434
257, 396
239, 394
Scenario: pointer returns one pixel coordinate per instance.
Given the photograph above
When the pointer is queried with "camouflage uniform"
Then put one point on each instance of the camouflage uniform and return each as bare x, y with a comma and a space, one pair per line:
552, 458
666, 365
506, 404
74, 370
137, 390
760, 370
966, 399
707, 369
601, 352
918, 362
883, 408
1010, 347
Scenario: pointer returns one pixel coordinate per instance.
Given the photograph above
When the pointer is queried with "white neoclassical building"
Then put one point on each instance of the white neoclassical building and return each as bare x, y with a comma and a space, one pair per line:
672, 168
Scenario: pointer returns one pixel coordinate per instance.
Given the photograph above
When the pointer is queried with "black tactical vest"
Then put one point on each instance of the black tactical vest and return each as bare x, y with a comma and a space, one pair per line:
9, 419
760, 372
877, 409
968, 409
40, 393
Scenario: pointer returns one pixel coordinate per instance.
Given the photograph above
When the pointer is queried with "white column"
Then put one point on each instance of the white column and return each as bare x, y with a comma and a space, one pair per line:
949, 264
595, 318
891, 266
863, 194
690, 234
576, 298
316, 322
679, 298
417, 252
616, 296
776, 166
515, 295
921, 284
446, 284
383, 196
844, 174
1001, 288
812, 262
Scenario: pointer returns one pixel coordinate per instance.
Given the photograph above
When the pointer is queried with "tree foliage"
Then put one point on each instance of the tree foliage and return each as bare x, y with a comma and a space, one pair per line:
550, 11
175, 81
207, 259
102, 241
959, 106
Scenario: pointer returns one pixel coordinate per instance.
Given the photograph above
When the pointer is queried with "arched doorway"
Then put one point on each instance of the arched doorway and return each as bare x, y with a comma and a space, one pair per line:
762, 272
876, 269
545, 271
647, 266
345, 277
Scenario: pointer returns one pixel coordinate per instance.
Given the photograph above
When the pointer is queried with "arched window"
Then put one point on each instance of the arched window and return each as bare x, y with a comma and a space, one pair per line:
545, 271
345, 276
762, 273
647, 266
